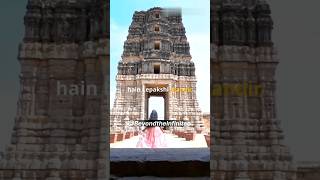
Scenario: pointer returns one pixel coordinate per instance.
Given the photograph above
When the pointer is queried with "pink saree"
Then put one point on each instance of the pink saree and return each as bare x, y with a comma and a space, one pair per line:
152, 137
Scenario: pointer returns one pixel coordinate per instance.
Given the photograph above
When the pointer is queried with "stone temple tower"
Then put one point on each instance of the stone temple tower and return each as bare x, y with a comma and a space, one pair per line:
247, 141
60, 129
156, 55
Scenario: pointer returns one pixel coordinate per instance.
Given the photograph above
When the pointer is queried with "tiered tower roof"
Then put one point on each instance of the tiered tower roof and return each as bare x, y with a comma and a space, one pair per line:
156, 34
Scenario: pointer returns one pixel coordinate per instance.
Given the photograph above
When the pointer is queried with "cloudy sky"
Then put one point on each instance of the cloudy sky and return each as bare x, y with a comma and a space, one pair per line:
196, 20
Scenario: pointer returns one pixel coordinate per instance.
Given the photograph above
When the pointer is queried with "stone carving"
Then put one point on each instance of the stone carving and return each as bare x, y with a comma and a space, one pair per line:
61, 137
156, 54
245, 132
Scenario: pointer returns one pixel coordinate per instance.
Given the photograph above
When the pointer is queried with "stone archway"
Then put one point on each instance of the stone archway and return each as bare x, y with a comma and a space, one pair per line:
164, 95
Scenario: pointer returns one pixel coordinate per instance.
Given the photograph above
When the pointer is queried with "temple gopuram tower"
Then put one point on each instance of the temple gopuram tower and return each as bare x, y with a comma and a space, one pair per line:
156, 55
247, 141
60, 128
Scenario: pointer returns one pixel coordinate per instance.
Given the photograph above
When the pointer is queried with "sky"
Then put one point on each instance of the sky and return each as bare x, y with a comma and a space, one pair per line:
154, 104
196, 20
11, 34
296, 35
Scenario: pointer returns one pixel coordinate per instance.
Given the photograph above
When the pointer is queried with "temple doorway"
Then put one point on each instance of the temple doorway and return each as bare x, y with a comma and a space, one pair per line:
156, 103
156, 100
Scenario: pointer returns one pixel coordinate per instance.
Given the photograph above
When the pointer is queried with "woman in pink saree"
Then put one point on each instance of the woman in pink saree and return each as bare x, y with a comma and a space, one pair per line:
152, 137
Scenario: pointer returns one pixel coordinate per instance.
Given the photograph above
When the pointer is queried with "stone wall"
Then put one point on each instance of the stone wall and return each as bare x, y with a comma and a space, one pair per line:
247, 140
308, 171
60, 130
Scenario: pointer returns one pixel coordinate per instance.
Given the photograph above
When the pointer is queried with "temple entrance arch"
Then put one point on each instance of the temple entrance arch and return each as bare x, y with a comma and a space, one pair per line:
156, 90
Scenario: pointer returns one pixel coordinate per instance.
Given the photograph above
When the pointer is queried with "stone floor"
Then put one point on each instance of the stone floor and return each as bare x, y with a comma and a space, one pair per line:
160, 163
173, 141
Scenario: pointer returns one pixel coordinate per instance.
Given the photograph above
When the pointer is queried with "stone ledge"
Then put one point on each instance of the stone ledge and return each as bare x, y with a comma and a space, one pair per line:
162, 162
308, 170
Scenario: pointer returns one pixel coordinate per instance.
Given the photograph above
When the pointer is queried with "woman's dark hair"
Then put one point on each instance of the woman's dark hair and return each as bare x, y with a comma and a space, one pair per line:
153, 115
